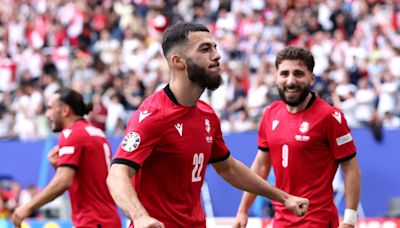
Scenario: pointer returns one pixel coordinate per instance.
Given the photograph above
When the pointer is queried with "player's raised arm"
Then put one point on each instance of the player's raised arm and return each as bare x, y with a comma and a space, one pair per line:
238, 175
118, 182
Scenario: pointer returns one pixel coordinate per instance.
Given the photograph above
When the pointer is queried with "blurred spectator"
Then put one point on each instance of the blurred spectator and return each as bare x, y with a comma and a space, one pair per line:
115, 111
387, 94
365, 98
257, 98
133, 92
106, 47
391, 121
98, 115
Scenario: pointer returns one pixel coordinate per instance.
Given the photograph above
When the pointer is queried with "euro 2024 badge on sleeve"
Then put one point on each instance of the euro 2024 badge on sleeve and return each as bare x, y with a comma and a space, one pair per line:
131, 141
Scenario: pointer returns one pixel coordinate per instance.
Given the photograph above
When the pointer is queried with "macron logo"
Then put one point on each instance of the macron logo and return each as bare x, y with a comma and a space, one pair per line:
337, 116
67, 133
275, 124
179, 128
143, 115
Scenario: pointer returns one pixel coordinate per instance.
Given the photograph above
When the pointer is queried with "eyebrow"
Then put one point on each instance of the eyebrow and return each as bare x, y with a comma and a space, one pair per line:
207, 44
295, 71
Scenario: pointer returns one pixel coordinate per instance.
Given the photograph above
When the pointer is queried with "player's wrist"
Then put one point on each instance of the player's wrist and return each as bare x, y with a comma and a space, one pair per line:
242, 210
350, 217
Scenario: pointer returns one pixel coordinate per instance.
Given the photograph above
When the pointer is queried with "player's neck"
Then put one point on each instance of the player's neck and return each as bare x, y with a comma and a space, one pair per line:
71, 120
300, 107
185, 92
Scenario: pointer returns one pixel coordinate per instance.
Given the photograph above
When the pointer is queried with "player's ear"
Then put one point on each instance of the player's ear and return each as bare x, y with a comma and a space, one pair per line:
312, 79
66, 110
178, 62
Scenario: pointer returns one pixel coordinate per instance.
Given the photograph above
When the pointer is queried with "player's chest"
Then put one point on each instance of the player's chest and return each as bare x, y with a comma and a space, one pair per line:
299, 130
193, 132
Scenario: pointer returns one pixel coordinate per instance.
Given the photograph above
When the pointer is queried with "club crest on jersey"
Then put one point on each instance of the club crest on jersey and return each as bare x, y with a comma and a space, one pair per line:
131, 141
207, 125
304, 127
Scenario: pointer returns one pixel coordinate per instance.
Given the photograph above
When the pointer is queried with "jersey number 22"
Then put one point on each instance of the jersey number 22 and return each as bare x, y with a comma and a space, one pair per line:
198, 160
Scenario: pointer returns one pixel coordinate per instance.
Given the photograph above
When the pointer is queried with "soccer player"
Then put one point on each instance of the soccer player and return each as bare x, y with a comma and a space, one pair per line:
304, 139
172, 137
82, 165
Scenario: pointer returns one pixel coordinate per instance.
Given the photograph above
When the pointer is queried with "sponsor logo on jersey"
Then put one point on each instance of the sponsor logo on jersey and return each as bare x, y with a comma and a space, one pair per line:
67, 133
344, 139
131, 141
209, 139
66, 150
337, 116
302, 138
304, 127
179, 128
274, 124
143, 115
207, 125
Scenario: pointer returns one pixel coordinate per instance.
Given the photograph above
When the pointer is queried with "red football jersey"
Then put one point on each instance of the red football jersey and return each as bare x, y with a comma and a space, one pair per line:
85, 148
170, 146
306, 149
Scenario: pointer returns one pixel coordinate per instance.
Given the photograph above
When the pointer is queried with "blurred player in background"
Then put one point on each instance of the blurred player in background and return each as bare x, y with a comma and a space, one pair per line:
304, 139
172, 137
82, 161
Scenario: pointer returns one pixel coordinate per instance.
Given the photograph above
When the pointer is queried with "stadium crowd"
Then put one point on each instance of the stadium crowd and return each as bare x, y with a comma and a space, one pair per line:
110, 52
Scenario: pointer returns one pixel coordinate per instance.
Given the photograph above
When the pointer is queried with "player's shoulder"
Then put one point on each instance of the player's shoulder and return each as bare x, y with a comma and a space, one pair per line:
328, 111
275, 106
205, 107
80, 131
151, 110
324, 107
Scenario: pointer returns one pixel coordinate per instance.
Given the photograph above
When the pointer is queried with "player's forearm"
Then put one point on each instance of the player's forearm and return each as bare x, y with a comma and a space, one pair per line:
261, 167
246, 202
55, 188
124, 195
238, 175
352, 184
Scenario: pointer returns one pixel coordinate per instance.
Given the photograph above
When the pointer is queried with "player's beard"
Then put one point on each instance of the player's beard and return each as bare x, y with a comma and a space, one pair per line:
199, 76
57, 125
304, 91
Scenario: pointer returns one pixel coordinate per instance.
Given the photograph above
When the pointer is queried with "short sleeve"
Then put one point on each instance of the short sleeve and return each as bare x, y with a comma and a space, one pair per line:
220, 151
71, 144
141, 136
262, 132
339, 135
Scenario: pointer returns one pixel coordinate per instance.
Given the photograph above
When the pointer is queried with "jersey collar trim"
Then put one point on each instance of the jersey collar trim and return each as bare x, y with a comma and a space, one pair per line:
311, 101
171, 96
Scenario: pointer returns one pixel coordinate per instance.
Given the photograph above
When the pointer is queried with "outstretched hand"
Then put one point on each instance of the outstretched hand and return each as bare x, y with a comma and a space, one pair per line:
298, 205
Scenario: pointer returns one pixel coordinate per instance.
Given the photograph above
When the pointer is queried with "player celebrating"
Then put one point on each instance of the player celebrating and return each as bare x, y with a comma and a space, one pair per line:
304, 139
82, 164
172, 137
